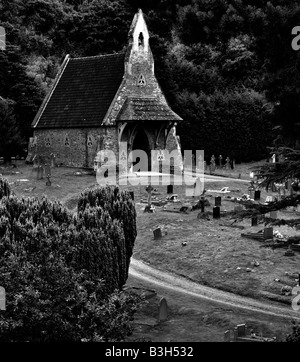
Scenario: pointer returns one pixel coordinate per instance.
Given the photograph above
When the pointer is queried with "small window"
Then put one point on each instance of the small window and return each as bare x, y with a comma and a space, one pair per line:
141, 40
67, 141
89, 142
48, 142
141, 81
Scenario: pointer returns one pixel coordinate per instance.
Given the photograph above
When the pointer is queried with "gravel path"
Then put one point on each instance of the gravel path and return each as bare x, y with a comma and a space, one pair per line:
179, 284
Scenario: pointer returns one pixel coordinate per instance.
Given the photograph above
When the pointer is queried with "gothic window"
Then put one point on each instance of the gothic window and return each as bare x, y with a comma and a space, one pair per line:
89, 142
67, 141
141, 82
48, 142
141, 40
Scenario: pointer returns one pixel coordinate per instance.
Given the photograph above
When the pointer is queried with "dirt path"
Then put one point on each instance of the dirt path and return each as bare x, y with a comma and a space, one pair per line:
146, 273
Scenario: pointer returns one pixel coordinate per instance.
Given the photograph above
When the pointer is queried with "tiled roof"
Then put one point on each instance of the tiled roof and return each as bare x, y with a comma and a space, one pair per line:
139, 109
83, 93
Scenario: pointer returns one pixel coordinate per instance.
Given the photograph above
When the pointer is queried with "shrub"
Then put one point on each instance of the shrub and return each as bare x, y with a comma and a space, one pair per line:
119, 206
63, 274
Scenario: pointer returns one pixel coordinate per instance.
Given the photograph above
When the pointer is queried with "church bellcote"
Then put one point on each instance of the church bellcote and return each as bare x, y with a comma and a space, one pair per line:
138, 45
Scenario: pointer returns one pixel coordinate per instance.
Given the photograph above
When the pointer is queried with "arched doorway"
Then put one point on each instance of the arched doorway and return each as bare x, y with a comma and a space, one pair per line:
141, 142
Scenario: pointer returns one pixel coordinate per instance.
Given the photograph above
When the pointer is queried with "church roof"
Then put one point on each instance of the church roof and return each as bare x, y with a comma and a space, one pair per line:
144, 109
82, 92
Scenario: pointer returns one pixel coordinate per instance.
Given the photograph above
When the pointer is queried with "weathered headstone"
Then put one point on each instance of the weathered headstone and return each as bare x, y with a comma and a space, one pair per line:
170, 189
216, 212
157, 233
40, 172
241, 330
218, 201
131, 194
268, 233
257, 195
253, 221
163, 310
47, 170
2, 299
202, 204
252, 192
227, 165
48, 182
198, 188
227, 336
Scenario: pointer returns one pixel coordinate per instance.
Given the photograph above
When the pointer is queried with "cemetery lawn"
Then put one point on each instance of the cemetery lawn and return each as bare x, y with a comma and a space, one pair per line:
215, 254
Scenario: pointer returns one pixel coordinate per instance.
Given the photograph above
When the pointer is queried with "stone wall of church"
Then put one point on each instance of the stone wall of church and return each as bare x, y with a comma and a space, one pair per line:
76, 147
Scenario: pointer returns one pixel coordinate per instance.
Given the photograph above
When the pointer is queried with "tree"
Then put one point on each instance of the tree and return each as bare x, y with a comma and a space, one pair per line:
11, 141
63, 275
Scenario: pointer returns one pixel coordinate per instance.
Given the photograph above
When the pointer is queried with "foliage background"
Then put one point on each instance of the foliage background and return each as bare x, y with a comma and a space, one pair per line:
226, 66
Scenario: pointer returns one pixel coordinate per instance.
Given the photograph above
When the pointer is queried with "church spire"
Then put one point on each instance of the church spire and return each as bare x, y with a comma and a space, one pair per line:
138, 43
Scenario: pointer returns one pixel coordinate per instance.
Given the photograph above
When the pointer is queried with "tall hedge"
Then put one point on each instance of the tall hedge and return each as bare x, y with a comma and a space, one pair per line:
62, 272
119, 205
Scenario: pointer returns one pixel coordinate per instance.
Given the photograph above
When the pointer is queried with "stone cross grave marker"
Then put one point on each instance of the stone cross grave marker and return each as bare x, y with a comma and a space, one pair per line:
2, 299
163, 310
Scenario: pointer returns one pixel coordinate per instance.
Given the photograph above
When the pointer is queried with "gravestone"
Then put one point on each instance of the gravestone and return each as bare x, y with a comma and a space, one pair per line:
257, 195
163, 310
227, 165
157, 233
170, 189
48, 182
227, 336
2, 299
198, 188
253, 221
47, 170
216, 212
202, 204
252, 192
241, 330
131, 194
218, 201
220, 161
268, 233
40, 172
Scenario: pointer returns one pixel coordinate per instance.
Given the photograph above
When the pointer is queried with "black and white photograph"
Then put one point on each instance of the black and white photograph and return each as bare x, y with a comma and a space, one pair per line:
149, 174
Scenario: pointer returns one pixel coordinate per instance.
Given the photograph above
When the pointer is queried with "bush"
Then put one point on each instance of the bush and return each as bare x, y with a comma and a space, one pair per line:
119, 206
63, 274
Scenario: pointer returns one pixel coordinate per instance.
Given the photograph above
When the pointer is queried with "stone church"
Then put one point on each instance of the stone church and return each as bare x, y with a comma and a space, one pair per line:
99, 101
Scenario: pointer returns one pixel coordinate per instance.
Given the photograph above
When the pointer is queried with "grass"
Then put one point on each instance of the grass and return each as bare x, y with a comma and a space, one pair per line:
215, 254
